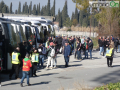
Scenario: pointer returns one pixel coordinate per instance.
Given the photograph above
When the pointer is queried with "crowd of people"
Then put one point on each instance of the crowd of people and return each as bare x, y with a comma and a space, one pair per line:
30, 58
107, 46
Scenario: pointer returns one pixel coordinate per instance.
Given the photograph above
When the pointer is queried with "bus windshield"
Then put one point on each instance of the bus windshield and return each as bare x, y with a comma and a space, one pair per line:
37, 33
13, 36
22, 34
29, 34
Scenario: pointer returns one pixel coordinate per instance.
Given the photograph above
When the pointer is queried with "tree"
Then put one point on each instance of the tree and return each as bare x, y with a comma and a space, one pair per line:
45, 13
23, 9
75, 22
73, 16
11, 7
67, 23
39, 9
80, 17
34, 10
26, 8
4, 9
64, 12
76, 14
84, 24
30, 8
48, 8
16, 11
1, 6
7, 8
53, 9
19, 8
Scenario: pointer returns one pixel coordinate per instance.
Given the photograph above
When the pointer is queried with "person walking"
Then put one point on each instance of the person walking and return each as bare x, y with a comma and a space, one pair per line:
79, 50
90, 47
26, 70
67, 53
51, 55
41, 56
86, 49
35, 60
16, 58
109, 55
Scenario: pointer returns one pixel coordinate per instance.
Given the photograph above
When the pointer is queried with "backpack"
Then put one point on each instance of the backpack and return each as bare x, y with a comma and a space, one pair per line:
44, 50
52, 54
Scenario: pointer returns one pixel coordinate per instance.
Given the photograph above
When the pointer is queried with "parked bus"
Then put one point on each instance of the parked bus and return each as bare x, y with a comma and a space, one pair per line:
10, 39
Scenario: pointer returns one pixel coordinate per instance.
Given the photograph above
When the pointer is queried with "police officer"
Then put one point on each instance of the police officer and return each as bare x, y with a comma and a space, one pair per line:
35, 61
109, 55
16, 58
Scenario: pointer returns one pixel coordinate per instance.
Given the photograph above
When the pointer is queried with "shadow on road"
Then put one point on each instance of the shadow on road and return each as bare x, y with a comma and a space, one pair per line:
63, 66
11, 84
112, 77
41, 83
48, 74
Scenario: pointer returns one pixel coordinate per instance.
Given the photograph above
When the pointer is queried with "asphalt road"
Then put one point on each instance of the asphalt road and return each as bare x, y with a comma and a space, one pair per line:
85, 73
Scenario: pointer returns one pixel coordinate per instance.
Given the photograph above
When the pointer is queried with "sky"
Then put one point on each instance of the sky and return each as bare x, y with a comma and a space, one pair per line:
59, 4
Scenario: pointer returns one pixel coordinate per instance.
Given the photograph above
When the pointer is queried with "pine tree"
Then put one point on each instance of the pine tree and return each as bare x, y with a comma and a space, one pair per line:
64, 12
48, 8
80, 17
4, 9
1, 6
16, 11
34, 10
76, 14
45, 11
39, 9
73, 16
30, 8
23, 9
11, 7
26, 8
19, 8
7, 9
53, 9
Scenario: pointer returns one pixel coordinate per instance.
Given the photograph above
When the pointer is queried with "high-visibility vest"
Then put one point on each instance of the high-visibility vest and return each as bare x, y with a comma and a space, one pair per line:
15, 59
109, 52
35, 57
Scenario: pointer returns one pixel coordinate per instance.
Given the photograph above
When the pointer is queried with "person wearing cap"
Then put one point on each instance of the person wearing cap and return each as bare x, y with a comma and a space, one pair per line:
26, 70
16, 58
35, 61
50, 58
67, 50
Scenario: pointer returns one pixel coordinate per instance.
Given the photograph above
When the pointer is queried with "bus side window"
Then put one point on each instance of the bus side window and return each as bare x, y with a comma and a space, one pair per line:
0, 28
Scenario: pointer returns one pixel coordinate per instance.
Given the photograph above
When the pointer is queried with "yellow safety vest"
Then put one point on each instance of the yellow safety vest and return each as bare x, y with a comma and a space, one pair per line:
35, 57
15, 59
109, 52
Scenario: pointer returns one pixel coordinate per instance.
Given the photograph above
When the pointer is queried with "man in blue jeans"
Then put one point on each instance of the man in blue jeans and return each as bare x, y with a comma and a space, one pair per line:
67, 50
26, 70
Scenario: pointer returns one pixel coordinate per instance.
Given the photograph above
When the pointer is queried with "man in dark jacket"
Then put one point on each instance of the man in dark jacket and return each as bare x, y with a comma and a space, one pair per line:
67, 50
16, 59
41, 56
116, 41
90, 47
